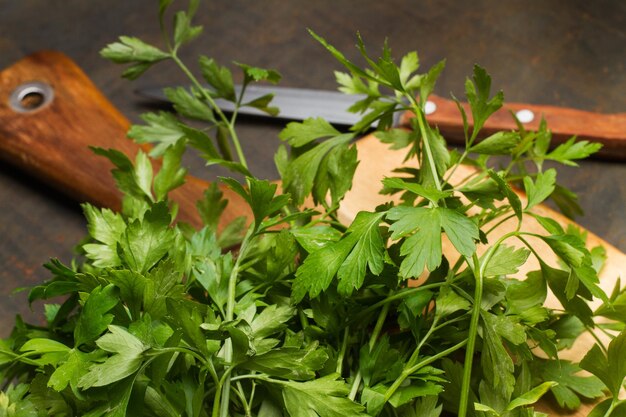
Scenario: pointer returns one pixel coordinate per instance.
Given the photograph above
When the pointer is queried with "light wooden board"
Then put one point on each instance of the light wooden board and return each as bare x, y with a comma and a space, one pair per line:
377, 161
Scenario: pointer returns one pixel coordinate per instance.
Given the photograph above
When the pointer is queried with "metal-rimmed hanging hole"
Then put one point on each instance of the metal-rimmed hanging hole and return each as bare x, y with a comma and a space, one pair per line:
31, 96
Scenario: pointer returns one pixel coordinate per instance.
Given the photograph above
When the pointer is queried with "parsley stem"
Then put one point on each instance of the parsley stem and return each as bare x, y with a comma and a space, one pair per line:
415, 356
207, 362
207, 97
614, 403
233, 117
342, 352
416, 352
494, 227
355, 386
373, 339
471, 339
304, 321
530, 247
449, 322
411, 370
23, 358
239, 392
473, 177
379, 326
479, 273
218, 403
419, 114
597, 339
456, 166
337, 225
607, 333
252, 392
457, 265
230, 313
160, 351
251, 376
397, 296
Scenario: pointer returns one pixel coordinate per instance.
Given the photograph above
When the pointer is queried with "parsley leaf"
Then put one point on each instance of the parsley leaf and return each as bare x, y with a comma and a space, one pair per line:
130, 50
497, 363
530, 397
506, 260
506, 190
106, 227
570, 385
126, 359
300, 174
423, 247
610, 369
360, 248
188, 105
71, 370
162, 130
258, 74
477, 91
288, 362
184, 32
541, 189
260, 196
566, 153
132, 180
94, 320
324, 397
171, 175
147, 240
430, 193
218, 77
500, 143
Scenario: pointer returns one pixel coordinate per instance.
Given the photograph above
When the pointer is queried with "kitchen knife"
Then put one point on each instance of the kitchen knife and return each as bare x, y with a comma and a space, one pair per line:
301, 103
59, 152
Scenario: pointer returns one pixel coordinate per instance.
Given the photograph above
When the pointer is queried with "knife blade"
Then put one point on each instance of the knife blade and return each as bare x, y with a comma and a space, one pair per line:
294, 103
564, 123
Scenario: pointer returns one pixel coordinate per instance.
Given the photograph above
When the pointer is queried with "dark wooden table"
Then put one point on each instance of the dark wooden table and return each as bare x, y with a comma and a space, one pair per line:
561, 52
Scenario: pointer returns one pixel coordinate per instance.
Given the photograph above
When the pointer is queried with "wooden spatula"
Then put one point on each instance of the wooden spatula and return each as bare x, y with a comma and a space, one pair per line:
50, 113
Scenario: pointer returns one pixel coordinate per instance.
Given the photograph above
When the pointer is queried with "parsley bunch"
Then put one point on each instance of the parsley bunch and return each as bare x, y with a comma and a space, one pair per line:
292, 312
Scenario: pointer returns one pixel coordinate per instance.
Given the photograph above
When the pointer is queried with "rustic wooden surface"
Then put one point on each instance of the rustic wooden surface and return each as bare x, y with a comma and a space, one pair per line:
566, 53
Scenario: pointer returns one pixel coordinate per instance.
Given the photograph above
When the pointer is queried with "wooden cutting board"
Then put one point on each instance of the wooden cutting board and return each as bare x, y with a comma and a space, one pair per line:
57, 113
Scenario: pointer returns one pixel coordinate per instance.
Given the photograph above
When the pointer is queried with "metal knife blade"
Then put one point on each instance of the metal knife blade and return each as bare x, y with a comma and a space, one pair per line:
294, 103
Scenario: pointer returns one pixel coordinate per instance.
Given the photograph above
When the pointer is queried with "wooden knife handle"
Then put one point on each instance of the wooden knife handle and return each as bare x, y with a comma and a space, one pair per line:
51, 140
607, 129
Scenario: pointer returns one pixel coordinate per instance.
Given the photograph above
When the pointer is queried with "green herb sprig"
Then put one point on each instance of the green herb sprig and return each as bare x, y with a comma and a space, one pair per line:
309, 316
